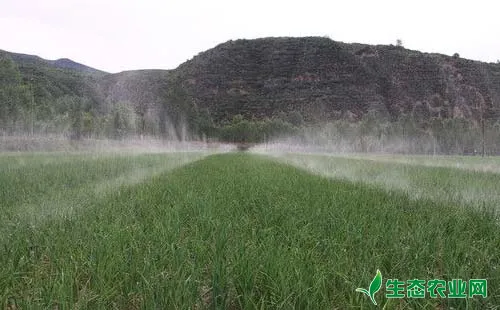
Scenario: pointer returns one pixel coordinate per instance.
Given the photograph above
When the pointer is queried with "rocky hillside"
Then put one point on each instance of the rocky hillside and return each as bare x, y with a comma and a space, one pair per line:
325, 80
314, 78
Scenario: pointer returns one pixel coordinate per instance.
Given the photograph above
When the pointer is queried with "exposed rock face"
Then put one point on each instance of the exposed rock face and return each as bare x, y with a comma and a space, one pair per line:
320, 78
325, 80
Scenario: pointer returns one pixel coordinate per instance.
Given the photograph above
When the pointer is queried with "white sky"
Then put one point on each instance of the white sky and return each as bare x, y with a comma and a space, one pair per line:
116, 35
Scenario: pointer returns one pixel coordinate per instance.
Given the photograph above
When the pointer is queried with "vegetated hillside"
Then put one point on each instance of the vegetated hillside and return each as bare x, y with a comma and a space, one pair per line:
139, 86
325, 80
254, 90
144, 92
63, 63
49, 80
52, 79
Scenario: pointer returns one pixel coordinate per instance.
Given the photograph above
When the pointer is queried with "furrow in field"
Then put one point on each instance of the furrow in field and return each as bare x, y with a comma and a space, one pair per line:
426, 180
64, 203
488, 165
470, 163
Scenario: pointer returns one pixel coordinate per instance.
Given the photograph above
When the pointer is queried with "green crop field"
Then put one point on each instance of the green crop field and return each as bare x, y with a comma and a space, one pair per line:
193, 230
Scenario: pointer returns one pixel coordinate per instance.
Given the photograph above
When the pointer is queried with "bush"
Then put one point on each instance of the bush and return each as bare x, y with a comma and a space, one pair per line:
241, 130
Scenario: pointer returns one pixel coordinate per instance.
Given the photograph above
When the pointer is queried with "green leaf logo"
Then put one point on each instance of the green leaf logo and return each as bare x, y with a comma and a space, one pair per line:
374, 287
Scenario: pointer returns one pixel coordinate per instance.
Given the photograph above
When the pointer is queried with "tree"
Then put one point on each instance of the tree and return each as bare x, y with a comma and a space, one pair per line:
203, 124
123, 120
78, 119
141, 111
399, 43
12, 94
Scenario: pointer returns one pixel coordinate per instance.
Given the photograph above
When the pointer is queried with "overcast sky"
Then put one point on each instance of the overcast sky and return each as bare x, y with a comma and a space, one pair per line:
117, 35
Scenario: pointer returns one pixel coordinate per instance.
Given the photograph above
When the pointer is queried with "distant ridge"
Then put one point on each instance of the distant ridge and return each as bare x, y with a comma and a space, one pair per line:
62, 63
66, 63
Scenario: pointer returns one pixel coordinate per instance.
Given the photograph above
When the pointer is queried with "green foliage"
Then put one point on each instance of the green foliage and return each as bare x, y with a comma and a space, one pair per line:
123, 120
75, 120
241, 130
203, 124
288, 87
13, 95
231, 231
407, 134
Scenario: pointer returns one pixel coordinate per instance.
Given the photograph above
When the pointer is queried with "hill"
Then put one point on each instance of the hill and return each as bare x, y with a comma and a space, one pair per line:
266, 86
48, 80
326, 80
63, 63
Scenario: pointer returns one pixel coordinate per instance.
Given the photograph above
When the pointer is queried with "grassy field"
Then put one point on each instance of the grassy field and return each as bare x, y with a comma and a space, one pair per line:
466, 181
239, 231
